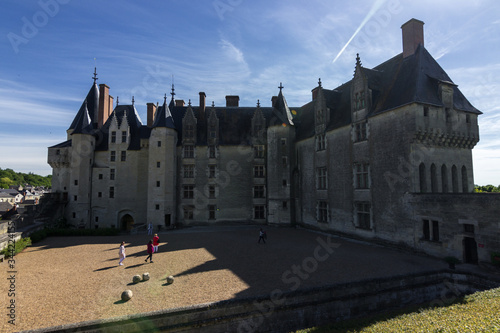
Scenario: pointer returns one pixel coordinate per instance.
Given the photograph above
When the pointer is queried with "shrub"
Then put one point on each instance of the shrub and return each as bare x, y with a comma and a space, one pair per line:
19, 246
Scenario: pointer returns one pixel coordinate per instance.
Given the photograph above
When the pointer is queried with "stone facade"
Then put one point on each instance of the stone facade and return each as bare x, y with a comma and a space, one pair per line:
381, 157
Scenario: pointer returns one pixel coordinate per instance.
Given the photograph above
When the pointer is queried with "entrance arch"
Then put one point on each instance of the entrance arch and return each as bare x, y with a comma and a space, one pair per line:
127, 222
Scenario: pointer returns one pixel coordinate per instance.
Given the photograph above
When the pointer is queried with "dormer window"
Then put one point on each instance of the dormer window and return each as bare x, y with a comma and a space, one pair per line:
360, 131
359, 101
189, 130
320, 142
113, 136
124, 136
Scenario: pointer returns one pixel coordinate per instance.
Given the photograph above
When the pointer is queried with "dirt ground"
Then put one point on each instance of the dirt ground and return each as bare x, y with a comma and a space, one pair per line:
74, 279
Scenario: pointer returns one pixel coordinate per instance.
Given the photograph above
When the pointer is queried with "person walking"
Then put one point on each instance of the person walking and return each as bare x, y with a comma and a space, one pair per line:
121, 253
150, 252
262, 236
156, 242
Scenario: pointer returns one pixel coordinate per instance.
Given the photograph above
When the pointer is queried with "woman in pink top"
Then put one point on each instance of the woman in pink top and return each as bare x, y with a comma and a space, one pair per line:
150, 252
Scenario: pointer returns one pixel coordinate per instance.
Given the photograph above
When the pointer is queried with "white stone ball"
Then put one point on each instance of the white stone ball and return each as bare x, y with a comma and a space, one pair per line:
126, 295
170, 279
145, 276
136, 278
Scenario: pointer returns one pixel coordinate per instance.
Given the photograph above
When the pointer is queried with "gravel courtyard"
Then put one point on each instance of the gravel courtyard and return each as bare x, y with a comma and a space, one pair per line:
74, 279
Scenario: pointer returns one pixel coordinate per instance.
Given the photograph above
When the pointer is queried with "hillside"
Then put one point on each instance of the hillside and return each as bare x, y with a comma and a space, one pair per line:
10, 177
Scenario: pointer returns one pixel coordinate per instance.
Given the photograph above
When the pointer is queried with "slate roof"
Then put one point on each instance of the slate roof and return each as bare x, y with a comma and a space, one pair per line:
163, 117
396, 82
92, 100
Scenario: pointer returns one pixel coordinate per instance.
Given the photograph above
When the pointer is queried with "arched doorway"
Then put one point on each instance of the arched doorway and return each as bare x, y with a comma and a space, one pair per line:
127, 222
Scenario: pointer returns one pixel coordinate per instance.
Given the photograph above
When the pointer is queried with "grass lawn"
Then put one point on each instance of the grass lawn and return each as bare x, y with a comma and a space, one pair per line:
479, 312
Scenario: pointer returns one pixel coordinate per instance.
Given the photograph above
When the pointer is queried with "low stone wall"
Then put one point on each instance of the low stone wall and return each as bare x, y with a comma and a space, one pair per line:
285, 312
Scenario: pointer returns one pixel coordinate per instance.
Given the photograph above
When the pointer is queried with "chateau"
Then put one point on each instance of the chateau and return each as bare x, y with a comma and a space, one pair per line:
387, 157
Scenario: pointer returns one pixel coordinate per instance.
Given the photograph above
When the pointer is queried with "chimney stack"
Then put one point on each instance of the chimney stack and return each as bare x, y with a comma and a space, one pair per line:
151, 113
202, 101
232, 100
105, 105
413, 35
179, 102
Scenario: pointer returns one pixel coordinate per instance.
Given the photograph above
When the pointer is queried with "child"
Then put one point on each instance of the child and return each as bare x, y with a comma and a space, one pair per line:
150, 252
121, 253
156, 242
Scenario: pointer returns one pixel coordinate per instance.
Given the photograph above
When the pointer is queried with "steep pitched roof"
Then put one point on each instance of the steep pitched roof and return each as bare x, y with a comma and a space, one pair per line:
82, 123
92, 100
163, 117
281, 109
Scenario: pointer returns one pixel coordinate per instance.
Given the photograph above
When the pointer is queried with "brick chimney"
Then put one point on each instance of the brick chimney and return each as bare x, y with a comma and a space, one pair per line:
151, 113
413, 35
232, 100
105, 105
202, 101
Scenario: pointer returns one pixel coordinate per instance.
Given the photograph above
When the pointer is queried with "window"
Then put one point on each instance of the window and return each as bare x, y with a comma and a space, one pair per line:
157, 207
158, 164
188, 212
188, 192
435, 231
213, 132
434, 188
469, 228
465, 181
321, 178
359, 100
285, 182
258, 151
361, 179
58, 152
111, 192
321, 142
113, 136
360, 131
426, 111
157, 183
76, 182
258, 171
284, 161
124, 136
211, 212
101, 176
211, 192
188, 170
75, 198
112, 174
188, 151
258, 191
444, 178
189, 129
426, 230
74, 215
283, 146
454, 178
259, 212
363, 215
430, 230
422, 178
285, 204
322, 215
211, 171
159, 143
447, 112
123, 157
99, 194
211, 151
467, 118
112, 156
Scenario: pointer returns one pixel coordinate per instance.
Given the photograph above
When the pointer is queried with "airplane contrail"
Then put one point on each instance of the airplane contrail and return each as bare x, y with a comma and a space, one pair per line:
376, 6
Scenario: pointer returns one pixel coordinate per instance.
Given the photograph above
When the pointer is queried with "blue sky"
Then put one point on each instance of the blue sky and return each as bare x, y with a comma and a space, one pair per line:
224, 47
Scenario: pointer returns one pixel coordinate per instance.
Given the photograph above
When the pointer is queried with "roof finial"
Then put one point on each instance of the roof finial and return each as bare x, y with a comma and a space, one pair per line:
117, 100
165, 99
319, 82
281, 87
189, 103
95, 74
172, 93
213, 104
258, 103
133, 101
358, 60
